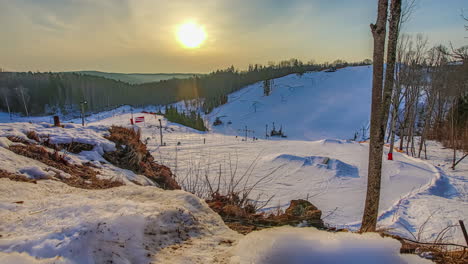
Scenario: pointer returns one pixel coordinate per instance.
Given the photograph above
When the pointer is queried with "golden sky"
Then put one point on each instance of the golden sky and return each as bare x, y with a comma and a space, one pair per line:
141, 35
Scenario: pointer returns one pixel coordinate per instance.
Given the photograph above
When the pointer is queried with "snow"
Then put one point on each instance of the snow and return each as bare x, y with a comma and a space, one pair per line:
429, 212
309, 245
93, 135
129, 224
71, 133
319, 112
14, 163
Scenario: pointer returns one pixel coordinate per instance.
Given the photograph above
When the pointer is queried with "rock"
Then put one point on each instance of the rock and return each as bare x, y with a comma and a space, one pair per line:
302, 210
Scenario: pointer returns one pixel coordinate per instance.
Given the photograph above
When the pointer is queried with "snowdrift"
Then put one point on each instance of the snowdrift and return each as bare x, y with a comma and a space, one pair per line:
311, 246
57, 223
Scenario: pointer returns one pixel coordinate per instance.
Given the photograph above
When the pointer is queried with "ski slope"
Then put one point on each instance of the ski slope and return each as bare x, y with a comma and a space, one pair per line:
313, 106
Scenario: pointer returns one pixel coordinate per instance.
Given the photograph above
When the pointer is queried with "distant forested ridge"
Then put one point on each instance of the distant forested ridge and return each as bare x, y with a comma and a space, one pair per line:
61, 93
137, 78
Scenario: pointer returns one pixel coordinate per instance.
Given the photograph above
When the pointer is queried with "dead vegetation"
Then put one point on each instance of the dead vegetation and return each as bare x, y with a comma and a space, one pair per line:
72, 147
133, 155
439, 249
440, 253
230, 195
75, 147
81, 176
15, 177
247, 219
18, 140
33, 136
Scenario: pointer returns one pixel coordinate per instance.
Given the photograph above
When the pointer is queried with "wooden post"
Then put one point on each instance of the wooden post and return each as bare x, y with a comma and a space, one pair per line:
245, 133
56, 121
462, 225
160, 131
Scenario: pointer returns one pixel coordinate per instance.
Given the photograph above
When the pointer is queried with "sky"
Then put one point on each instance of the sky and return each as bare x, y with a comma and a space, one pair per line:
140, 35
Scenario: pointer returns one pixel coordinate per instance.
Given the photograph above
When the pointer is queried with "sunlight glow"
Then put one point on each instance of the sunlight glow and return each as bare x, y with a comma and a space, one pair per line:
191, 35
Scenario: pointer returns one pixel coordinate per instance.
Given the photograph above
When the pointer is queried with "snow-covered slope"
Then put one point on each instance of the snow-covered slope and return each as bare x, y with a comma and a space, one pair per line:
313, 106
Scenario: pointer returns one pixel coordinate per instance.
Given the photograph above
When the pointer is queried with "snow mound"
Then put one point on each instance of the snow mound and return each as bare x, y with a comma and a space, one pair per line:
340, 168
311, 246
92, 135
128, 224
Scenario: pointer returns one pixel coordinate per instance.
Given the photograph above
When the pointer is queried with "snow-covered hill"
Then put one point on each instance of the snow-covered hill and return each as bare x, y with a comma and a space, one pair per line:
313, 106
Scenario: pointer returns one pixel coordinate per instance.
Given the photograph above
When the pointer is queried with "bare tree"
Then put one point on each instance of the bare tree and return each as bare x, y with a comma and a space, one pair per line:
369, 219
22, 93
6, 94
381, 96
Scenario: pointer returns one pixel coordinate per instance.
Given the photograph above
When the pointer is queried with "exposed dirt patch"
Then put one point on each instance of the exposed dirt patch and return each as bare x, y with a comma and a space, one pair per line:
133, 155
81, 176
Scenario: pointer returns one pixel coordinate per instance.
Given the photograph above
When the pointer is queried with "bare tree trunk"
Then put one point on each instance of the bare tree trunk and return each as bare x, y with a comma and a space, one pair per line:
369, 219
454, 160
5, 94
24, 101
427, 122
391, 59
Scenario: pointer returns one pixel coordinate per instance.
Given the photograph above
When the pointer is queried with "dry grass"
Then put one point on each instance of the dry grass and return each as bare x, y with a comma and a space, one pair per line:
75, 147
82, 176
133, 155
18, 140
441, 250
15, 177
33, 135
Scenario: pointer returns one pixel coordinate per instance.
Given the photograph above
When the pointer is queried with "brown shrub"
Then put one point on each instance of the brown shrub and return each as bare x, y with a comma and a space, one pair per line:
244, 218
75, 147
33, 135
18, 140
133, 155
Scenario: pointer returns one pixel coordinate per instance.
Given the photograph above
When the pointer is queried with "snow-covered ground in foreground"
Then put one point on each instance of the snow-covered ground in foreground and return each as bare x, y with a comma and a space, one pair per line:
50, 222
313, 106
128, 224
309, 245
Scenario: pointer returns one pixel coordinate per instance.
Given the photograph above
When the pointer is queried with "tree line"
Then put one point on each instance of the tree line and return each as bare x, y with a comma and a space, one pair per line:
189, 118
45, 93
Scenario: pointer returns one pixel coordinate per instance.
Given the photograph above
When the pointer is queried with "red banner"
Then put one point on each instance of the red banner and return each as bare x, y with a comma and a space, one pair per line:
139, 119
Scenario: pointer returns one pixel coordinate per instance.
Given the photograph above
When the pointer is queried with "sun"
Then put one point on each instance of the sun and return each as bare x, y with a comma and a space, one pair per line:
191, 35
